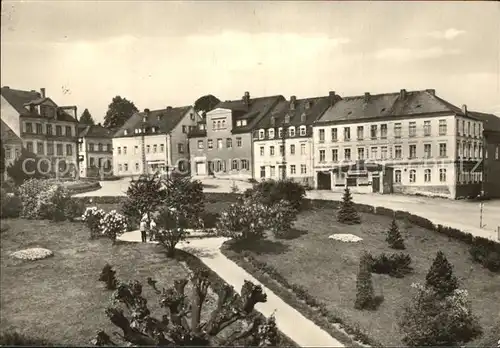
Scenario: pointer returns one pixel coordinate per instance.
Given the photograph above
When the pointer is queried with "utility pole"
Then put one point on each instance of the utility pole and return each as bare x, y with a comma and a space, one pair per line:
283, 155
143, 140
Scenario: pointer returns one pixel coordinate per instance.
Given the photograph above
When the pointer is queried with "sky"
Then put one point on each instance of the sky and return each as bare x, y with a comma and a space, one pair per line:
167, 53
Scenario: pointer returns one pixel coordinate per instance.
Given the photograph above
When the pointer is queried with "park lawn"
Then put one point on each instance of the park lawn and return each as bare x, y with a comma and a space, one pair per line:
327, 270
59, 299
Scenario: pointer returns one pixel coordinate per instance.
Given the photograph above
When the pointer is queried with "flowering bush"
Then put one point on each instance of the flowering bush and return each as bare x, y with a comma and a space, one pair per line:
92, 218
113, 224
29, 193
280, 218
52, 203
243, 220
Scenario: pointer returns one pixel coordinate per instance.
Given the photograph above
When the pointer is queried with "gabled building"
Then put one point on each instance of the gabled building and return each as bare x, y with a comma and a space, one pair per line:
282, 141
154, 141
46, 129
221, 146
95, 151
406, 142
11, 143
491, 153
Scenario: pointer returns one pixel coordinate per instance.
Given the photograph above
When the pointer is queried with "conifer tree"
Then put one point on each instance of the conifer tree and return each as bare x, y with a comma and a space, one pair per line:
394, 237
365, 294
347, 214
440, 276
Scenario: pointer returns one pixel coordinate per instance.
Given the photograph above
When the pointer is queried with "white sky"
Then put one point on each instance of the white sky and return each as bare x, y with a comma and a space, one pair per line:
162, 53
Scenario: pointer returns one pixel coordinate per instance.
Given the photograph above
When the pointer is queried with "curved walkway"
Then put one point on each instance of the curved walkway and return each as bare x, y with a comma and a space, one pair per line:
291, 322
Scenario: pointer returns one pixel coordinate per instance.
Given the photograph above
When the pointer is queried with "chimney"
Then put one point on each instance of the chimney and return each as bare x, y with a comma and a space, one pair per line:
246, 98
293, 100
273, 121
42, 92
464, 109
332, 97
402, 94
431, 91
307, 105
367, 97
169, 107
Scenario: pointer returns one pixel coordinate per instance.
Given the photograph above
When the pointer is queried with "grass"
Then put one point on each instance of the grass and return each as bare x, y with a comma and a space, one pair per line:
327, 270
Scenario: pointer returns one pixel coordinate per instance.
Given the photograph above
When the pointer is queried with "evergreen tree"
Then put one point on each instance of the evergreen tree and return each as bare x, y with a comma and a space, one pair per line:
347, 214
394, 237
86, 118
440, 276
365, 295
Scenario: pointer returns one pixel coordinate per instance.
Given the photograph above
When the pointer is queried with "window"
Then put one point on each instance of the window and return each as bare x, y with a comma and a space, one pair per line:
92, 162
262, 172
383, 131
321, 135
80, 147
292, 169
347, 154
48, 129
125, 150
210, 144
244, 164
125, 167
162, 146
496, 152
468, 128
271, 133
29, 128
39, 128
302, 149
272, 170
136, 166
427, 175
8, 152
59, 149
475, 151
119, 149
442, 175
374, 153
58, 130
261, 134
360, 132
238, 142
119, 167
39, 148
184, 129
334, 134
413, 175
200, 145
413, 151
99, 146
302, 130
234, 164
282, 150
383, 152
280, 133
291, 131
271, 150
180, 148
469, 150
238, 124
219, 143
148, 149
443, 128
155, 148
303, 169
321, 155
427, 128
427, 150
373, 131
69, 150
218, 124
361, 153
397, 130
442, 150
262, 150
292, 149
335, 155
412, 129
397, 176
347, 133
229, 143
50, 149
68, 130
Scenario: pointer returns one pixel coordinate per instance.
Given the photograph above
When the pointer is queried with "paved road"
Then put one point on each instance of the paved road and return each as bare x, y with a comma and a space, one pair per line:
291, 322
463, 215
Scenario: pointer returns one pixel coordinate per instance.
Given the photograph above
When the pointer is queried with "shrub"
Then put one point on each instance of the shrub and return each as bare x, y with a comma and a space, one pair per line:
27, 166
108, 276
53, 203
432, 320
395, 265
144, 195
75, 208
384, 211
13, 338
281, 217
270, 192
490, 259
11, 205
113, 224
92, 218
394, 238
440, 276
347, 214
365, 295
29, 193
210, 219
244, 220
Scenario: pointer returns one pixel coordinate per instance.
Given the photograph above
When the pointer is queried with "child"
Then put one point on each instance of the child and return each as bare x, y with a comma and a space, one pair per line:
152, 230
142, 228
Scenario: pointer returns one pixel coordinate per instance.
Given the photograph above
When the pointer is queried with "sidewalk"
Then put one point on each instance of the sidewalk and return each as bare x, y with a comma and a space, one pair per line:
293, 324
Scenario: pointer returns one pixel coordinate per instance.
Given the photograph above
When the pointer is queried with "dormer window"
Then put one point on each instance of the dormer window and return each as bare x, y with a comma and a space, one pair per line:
243, 123
153, 129
261, 134
307, 104
302, 130
144, 119
137, 131
287, 119
280, 132
238, 123
303, 118
191, 115
271, 133
291, 131
125, 132
158, 117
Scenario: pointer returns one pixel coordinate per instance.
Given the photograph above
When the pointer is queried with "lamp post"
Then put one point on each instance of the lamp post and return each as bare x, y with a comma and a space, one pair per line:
283, 154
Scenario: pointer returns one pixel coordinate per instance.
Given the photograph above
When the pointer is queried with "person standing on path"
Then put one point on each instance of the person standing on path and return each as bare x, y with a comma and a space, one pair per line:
152, 230
143, 228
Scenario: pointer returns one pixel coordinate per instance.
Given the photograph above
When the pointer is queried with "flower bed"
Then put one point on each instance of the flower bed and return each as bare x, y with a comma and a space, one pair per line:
32, 254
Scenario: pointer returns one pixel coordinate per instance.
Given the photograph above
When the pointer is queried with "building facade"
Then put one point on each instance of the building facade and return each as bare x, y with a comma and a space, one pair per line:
154, 141
46, 129
12, 145
405, 142
95, 152
282, 141
221, 145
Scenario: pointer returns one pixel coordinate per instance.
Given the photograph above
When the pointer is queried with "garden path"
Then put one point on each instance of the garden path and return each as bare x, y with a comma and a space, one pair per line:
292, 323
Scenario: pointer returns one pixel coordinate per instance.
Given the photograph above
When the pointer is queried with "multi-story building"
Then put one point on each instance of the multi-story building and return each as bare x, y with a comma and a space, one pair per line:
95, 151
491, 154
222, 144
406, 142
46, 129
12, 145
282, 141
154, 141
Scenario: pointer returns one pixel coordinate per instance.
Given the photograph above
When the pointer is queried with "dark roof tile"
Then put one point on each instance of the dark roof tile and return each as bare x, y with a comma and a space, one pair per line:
491, 122
94, 131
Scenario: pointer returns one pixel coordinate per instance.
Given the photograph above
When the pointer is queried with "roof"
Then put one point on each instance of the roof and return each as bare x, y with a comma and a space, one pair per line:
253, 113
8, 135
387, 105
491, 122
19, 98
94, 131
164, 119
317, 106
